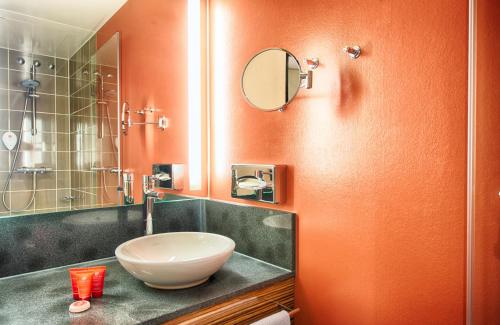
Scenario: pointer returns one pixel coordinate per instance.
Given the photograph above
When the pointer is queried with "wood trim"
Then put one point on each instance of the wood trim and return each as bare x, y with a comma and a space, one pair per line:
245, 308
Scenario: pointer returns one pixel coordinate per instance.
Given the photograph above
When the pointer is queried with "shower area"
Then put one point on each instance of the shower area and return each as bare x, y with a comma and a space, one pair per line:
59, 98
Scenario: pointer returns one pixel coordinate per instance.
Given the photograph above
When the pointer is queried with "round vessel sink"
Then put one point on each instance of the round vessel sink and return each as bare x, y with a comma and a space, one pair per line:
175, 260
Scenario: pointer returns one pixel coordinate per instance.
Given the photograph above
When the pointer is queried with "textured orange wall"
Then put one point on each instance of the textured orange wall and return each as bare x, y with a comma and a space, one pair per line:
487, 203
154, 72
376, 150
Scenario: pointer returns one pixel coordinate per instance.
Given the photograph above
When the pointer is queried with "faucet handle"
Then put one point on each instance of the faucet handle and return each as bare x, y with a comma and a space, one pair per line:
148, 184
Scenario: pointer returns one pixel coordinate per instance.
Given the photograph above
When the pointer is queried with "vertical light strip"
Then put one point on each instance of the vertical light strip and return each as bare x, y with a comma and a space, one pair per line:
118, 107
471, 144
208, 98
194, 93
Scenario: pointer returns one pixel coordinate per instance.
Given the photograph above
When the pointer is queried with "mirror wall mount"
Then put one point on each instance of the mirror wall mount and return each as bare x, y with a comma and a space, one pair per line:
272, 78
127, 122
307, 77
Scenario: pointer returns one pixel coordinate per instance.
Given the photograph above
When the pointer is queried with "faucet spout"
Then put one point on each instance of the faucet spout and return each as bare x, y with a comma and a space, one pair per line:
150, 196
150, 200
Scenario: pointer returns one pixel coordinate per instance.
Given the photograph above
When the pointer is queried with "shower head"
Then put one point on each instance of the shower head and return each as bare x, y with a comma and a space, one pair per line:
30, 83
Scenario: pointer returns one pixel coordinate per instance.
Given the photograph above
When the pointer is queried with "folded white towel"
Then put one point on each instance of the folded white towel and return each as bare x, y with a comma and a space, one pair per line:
281, 318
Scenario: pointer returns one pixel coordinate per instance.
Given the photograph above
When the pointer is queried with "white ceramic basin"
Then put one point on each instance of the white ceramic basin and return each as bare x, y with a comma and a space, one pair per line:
175, 260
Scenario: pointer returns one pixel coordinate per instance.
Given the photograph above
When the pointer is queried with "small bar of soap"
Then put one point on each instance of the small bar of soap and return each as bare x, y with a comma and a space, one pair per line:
79, 306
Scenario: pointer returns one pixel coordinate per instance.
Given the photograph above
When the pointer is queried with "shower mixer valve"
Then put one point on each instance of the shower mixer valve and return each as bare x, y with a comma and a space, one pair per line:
33, 170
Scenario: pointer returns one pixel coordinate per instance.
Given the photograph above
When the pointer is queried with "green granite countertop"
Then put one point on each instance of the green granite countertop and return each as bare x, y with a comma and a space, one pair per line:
43, 297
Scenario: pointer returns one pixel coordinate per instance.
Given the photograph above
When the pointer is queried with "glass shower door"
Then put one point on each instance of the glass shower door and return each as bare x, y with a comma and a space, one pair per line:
108, 132
95, 102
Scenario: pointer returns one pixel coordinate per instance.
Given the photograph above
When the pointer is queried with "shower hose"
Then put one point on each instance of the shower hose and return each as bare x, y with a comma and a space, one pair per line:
13, 166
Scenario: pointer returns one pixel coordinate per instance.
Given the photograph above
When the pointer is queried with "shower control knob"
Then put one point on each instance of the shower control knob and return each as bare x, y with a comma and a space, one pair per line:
51, 66
37, 63
20, 60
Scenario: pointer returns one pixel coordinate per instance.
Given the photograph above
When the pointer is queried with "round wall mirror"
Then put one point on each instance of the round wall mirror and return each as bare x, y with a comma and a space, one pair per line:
271, 79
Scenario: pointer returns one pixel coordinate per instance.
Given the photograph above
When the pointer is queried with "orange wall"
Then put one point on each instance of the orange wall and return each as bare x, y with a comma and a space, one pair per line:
376, 150
487, 203
154, 73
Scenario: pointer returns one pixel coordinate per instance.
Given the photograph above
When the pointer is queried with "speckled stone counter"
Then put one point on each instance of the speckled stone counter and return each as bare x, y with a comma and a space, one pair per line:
43, 297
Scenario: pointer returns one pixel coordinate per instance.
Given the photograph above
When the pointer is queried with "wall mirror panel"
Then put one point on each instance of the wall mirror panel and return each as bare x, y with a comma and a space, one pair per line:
63, 79
59, 106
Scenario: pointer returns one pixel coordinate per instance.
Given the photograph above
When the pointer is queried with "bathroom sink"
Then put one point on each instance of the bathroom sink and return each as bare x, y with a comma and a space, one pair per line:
175, 260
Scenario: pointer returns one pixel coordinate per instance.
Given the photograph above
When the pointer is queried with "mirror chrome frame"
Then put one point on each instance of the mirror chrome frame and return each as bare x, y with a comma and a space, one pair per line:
280, 108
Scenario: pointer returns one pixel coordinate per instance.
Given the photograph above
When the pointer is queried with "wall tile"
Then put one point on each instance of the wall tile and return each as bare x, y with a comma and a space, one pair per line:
20, 200
63, 122
62, 86
45, 199
47, 84
4, 99
44, 103
4, 78
63, 178
4, 160
63, 161
36, 159
62, 105
63, 200
21, 182
3, 209
62, 142
62, 67
13, 64
4, 120
4, 58
46, 181
15, 78
45, 62
40, 142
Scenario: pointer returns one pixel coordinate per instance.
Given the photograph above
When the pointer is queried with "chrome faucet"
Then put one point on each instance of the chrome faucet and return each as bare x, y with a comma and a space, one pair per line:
150, 196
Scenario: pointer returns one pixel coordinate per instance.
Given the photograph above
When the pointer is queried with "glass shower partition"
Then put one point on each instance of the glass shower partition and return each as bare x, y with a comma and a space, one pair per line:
94, 124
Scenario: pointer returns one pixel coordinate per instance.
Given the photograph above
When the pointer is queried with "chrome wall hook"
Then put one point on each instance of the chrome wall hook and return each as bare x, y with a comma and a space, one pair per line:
353, 51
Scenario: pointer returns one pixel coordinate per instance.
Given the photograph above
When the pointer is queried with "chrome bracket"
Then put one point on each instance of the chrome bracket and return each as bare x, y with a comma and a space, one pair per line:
127, 122
306, 78
353, 51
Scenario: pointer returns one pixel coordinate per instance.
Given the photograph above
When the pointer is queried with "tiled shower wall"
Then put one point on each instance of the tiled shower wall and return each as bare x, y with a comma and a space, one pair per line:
49, 147
93, 127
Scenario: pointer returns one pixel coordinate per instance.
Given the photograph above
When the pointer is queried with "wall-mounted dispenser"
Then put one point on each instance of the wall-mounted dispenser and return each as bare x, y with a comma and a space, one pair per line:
264, 183
169, 176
